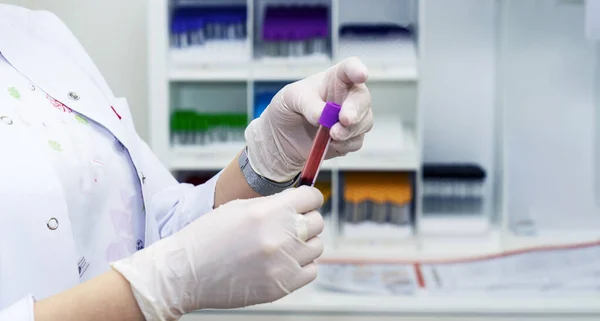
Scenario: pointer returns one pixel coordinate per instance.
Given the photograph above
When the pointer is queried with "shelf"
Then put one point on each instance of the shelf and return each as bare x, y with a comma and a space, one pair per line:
229, 51
388, 146
286, 69
455, 225
209, 73
392, 72
373, 156
209, 157
279, 70
385, 62
199, 64
373, 233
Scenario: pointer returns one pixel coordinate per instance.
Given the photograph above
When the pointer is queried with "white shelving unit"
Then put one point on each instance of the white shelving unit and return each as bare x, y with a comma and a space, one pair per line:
393, 144
178, 66
443, 98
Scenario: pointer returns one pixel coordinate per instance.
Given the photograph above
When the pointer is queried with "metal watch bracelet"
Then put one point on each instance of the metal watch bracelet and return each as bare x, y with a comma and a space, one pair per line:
260, 184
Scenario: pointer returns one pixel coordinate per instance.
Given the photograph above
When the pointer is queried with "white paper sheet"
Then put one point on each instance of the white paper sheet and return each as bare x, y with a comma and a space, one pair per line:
559, 271
379, 279
542, 272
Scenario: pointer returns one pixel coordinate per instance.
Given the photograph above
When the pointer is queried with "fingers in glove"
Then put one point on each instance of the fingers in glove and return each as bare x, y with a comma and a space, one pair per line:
301, 227
341, 148
307, 274
314, 224
302, 199
340, 133
356, 105
310, 251
309, 225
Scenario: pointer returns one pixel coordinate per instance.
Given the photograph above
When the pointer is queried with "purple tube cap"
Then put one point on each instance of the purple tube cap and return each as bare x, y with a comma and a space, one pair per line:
330, 115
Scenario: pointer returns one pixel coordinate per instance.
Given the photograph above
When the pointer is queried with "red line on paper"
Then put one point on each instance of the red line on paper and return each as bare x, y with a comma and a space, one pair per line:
420, 278
459, 259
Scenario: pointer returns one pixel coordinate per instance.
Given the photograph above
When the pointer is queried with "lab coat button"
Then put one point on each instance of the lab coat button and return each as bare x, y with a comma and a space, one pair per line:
52, 224
6, 120
143, 177
32, 88
74, 96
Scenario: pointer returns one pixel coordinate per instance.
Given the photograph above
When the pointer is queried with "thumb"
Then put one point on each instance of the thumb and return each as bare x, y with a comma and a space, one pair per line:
302, 199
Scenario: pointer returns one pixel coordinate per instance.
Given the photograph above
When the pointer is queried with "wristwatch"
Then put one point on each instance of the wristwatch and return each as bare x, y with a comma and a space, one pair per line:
260, 184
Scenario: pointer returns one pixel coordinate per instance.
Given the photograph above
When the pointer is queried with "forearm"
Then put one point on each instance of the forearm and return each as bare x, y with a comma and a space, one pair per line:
106, 297
232, 185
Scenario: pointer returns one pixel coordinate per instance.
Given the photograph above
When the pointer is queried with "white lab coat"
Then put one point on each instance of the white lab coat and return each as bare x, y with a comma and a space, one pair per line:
35, 260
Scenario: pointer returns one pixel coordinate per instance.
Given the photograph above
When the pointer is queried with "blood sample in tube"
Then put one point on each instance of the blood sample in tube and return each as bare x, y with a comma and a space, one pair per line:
329, 117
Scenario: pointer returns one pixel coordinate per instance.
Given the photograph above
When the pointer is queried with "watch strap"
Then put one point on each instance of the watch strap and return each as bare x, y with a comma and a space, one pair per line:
258, 183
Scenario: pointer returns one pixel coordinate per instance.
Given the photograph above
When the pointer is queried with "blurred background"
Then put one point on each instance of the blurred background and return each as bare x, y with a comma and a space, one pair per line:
476, 196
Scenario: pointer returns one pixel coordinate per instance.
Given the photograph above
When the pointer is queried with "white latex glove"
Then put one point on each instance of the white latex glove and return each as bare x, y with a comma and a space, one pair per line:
243, 253
280, 139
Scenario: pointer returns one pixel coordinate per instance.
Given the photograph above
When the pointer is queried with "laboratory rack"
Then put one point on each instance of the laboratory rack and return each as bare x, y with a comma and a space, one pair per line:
460, 91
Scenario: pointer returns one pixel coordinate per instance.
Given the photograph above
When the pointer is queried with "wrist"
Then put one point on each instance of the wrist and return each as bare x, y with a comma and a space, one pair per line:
265, 154
150, 279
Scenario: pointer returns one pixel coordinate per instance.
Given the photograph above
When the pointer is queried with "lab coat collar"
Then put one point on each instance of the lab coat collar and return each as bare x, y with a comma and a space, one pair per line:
31, 49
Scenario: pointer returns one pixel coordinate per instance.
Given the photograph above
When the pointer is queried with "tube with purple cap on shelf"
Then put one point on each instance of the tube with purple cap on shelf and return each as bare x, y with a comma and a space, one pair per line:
320, 31
295, 30
329, 117
193, 25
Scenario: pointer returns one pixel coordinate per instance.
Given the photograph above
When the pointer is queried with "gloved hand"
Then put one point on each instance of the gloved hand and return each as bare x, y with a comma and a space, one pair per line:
280, 139
243, 253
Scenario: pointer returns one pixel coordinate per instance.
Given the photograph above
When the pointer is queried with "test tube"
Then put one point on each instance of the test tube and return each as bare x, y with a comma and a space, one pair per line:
175, 128
329, 117
175, 29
